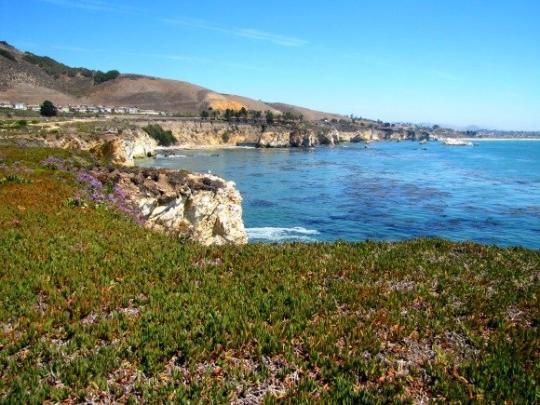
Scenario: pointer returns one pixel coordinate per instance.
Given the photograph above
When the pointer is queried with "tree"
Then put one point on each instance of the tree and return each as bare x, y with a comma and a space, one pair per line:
243, 112
269, 117
229, 114
100, 77
204, 114
48, 109
255, 115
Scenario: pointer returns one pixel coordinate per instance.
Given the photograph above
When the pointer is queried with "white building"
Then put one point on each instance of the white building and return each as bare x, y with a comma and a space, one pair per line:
19, 106
5, 104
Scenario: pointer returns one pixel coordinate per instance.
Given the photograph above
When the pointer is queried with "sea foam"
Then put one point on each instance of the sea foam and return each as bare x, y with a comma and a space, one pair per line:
282, 234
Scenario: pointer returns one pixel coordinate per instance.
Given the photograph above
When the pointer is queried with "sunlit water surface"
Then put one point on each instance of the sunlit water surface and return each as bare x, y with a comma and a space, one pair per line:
488, 193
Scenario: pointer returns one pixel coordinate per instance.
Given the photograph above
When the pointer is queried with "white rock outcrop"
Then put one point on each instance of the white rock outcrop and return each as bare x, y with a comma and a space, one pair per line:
199, 207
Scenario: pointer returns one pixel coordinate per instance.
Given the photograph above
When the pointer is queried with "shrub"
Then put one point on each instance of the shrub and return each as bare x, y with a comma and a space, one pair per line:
7, 55
15, 179
101, 77
163, 137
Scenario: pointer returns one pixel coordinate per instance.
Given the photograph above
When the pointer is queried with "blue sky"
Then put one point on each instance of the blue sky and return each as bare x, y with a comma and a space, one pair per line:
457, 62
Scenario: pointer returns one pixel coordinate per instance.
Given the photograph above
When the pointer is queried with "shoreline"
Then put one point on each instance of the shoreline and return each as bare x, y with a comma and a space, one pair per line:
500, 139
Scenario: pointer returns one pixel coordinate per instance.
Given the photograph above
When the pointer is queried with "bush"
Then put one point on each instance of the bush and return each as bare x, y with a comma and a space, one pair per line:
101, 77
7, 55
164, 138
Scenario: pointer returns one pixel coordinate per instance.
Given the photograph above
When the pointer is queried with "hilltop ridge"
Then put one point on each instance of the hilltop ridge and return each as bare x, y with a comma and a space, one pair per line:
29, 78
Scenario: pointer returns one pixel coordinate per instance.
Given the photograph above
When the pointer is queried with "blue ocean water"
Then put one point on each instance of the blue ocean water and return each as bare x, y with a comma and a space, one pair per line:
489, 193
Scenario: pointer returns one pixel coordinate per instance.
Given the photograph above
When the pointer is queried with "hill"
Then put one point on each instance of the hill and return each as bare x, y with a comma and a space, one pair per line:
29, 78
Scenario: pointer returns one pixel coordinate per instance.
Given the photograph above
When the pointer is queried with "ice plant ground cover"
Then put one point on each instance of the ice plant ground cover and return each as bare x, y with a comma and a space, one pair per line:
96, 308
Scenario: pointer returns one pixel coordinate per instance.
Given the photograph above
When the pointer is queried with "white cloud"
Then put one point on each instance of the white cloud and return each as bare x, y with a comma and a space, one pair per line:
240, 32
93, 5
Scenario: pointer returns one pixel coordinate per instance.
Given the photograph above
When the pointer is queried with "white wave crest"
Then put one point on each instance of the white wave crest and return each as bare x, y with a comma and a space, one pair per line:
175, 156
281, 234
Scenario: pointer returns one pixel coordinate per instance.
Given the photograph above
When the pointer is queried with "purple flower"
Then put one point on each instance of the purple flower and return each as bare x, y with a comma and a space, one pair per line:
116, 198
89, 180
53, 163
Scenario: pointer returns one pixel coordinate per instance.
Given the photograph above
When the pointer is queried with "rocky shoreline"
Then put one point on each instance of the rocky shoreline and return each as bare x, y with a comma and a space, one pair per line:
199, 207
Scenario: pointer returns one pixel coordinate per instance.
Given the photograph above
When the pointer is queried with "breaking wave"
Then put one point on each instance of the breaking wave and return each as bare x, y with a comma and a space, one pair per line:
281, 234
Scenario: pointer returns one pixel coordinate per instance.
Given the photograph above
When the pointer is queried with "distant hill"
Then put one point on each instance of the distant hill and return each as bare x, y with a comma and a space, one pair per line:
29, 78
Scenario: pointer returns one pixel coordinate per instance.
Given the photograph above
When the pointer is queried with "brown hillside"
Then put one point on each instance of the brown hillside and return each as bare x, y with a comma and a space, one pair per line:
29, 78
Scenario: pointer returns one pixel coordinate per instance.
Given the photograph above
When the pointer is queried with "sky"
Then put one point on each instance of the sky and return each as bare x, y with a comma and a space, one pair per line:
450, 62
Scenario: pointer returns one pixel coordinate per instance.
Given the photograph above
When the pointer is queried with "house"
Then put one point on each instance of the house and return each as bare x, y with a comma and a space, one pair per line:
63, 109
133, 110
19, 106
5, 104
33, 107
149, 112
120, 110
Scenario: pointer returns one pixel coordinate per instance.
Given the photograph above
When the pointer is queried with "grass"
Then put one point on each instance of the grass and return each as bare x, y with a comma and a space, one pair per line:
96, 308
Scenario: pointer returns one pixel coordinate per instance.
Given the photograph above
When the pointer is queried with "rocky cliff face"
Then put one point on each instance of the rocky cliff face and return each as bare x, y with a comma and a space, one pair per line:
199, 207
124, 149
121, 149
193, 134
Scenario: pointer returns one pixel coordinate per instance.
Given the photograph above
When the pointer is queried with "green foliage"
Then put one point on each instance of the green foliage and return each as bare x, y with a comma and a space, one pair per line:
101, 77
96, 308
8, 55
269, 117
163, 137
15, 179
54, 68
48, 109
13, 124
290, 116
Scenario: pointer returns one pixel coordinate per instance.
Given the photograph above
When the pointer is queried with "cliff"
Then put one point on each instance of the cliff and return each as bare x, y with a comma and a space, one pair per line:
194, 134
198, 207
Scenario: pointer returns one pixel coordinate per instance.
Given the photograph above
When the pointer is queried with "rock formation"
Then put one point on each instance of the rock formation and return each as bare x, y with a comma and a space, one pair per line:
199, 207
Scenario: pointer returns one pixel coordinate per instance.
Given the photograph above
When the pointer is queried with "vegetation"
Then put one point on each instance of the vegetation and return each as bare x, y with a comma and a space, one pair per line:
13, 124
95, 308
8, 55
269, 117
54, 68
48, 109
163, 137
101, 77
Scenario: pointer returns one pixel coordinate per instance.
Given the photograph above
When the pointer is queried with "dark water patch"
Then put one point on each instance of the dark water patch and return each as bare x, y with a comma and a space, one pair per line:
390, 191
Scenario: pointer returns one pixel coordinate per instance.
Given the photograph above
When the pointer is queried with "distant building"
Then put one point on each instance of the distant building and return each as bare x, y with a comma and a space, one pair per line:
5, 104
33, 107
120, 110
64, 109
133, 110
149, 112
19, 106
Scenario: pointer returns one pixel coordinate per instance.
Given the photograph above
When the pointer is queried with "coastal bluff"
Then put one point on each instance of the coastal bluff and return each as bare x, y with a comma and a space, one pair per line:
198, 207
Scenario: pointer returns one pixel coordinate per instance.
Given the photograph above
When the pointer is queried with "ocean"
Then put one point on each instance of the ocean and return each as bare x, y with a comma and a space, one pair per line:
488, 193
